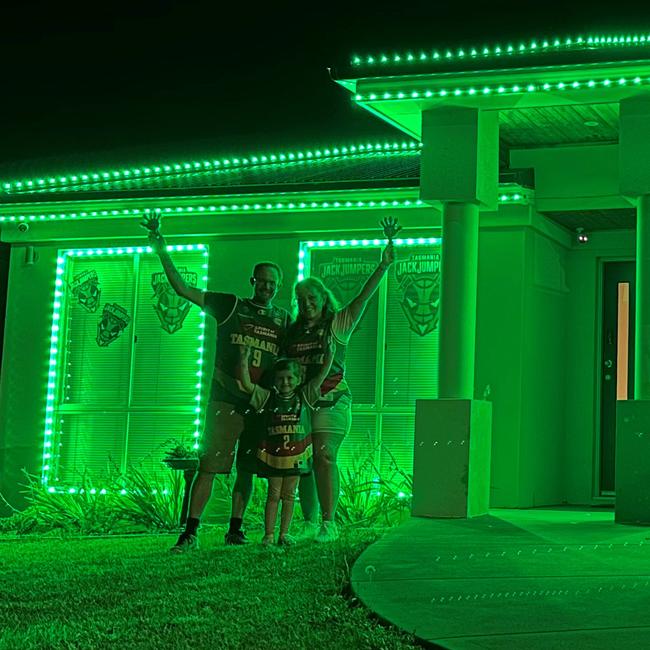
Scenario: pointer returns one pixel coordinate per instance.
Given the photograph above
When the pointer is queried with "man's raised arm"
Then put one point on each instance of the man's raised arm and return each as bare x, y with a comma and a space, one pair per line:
151, 222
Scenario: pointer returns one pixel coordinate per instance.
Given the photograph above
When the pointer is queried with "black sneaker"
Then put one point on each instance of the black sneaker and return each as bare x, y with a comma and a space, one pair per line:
235, 538
186, 542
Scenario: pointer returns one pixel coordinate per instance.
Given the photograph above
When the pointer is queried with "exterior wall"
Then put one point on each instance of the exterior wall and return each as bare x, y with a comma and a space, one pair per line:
542, 470
522, 309
536, 350
499, 332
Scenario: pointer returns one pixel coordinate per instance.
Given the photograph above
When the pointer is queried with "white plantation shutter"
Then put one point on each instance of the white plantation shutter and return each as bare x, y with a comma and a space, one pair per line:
121, 404
411, 360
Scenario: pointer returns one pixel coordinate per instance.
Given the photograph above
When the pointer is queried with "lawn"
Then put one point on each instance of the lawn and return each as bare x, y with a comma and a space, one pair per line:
132, 593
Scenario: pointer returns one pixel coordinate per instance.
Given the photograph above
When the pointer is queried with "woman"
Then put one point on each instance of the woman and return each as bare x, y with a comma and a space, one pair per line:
319, 320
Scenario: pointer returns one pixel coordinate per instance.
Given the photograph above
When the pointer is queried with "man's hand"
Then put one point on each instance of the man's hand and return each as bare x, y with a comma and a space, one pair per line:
151, 223
391, 228
151, 220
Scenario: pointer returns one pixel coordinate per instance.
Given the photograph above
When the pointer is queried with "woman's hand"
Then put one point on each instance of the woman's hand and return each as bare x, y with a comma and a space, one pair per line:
391, 228
388, 255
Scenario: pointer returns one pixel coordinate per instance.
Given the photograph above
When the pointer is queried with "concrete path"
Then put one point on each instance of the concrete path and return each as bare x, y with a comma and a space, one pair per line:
525, 579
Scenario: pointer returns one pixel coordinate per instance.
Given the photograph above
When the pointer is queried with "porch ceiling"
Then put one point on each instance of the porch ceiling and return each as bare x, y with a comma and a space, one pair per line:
559, 125
594, 220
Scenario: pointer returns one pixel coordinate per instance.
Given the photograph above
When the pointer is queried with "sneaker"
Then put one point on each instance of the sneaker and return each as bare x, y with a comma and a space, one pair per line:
328, 532
186, 542
307, 531
235, 538
268, 540
286, 540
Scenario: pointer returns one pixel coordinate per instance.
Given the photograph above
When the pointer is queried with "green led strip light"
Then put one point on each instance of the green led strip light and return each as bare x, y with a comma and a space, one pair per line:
306, 247
501, 89
208, 165
49, 433
236, 207
523, 49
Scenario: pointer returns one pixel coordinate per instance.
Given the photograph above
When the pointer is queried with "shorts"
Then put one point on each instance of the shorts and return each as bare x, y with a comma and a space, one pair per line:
223, 426
335, 420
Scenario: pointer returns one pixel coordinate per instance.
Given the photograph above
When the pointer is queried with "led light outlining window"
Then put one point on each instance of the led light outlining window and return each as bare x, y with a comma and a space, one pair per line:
49, 429
306, 247
502, 89
351, 151
535, 46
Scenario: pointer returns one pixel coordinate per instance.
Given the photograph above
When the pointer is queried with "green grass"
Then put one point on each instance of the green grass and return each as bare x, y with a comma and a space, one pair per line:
132, 593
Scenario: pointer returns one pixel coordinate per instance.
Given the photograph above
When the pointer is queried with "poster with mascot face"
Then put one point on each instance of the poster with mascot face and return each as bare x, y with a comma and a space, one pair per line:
170, 308
86, 289
418, 276
114, 321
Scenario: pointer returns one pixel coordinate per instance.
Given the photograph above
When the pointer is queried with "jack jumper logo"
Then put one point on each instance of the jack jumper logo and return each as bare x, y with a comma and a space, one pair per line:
114, 321
170, 308
419, 281
345, 276
85, 288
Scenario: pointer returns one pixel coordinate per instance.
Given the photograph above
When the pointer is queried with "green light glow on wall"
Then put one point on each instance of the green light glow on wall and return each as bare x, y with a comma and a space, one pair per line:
502, 89
53, 378
535, 46
152, 171
306, 247
289, 206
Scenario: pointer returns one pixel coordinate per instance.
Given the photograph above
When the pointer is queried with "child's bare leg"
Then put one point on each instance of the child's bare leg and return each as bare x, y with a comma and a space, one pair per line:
288, 495
272, 502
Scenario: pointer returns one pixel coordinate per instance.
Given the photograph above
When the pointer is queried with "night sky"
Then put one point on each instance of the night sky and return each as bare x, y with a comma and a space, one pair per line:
160, 81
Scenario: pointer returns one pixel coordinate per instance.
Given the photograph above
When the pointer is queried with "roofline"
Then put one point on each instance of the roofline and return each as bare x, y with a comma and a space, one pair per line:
160, 170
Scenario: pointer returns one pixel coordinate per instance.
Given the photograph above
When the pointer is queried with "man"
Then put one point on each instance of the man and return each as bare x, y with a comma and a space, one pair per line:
254, 322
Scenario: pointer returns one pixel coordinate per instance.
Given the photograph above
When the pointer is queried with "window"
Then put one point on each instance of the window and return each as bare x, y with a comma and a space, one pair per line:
125, 363
392, 357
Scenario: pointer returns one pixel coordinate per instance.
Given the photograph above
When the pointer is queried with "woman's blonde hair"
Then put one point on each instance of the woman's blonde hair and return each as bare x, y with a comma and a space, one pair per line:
330, 304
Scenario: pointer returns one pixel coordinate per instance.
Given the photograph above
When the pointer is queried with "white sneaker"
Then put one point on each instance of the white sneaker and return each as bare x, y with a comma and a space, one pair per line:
328, 532
268, 540
307, 531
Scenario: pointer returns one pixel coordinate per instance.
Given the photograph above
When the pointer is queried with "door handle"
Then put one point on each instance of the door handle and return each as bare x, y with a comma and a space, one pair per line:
608, 363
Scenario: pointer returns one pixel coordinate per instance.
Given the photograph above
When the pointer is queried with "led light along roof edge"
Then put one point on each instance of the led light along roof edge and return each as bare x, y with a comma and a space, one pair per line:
171, 169
506, 195
502, 89
532, 47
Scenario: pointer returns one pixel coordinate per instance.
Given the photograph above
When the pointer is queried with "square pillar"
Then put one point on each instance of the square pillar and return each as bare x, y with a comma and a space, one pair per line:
460, 156
633, 462
451, 462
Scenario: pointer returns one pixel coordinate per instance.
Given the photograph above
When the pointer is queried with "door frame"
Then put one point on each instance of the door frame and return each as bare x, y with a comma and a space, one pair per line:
596, 497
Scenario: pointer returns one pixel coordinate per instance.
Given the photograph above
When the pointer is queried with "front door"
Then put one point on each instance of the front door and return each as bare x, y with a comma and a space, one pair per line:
617, 361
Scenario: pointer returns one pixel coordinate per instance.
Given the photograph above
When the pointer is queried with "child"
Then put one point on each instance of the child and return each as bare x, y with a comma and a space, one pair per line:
281, 431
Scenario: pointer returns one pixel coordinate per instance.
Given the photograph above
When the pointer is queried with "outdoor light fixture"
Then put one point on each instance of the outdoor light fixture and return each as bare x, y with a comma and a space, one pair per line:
581, 236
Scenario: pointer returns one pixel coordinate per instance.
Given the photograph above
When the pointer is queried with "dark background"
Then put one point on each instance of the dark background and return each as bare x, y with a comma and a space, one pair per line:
114, 83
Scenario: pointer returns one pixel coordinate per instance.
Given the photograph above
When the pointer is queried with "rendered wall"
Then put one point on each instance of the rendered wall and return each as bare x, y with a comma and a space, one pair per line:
520, 312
